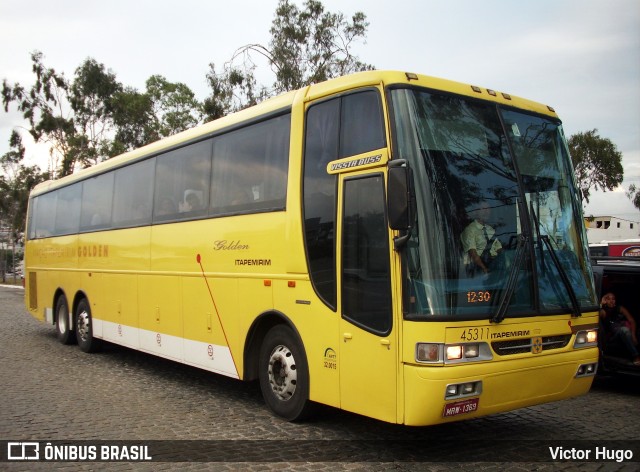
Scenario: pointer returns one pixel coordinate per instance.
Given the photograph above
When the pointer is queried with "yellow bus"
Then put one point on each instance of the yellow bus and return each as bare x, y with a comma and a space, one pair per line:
403, 247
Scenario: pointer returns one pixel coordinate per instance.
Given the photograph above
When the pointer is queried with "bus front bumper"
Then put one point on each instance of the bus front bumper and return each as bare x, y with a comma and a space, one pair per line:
500, 385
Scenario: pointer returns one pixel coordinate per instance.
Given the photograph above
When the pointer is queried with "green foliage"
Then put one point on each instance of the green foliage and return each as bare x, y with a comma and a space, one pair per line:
597, 162
133, 119
634, 195
307, 46
312, 45
232, 89
90, 99
174, 106
44, 106
94, 117
16, 182
165, 108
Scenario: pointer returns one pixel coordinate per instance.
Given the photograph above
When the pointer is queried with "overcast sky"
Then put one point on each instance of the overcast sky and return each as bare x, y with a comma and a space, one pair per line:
580, 56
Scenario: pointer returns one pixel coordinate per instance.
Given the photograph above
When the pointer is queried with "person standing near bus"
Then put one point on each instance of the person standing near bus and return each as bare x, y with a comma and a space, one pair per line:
619, 326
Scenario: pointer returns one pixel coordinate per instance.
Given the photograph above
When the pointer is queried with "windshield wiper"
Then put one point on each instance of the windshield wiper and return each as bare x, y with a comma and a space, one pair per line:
575, 306
563, 276
505, 300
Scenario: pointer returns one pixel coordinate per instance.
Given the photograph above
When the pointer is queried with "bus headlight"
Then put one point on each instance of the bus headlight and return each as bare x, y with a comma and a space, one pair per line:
431, 353
428, 352
471, 350
462, 351
586, 338
454, 352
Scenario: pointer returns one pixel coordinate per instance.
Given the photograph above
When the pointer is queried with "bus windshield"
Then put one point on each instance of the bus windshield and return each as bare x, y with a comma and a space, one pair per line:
498, 222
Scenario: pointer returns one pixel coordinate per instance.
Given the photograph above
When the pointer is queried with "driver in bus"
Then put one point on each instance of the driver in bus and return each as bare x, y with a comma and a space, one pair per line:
479, 242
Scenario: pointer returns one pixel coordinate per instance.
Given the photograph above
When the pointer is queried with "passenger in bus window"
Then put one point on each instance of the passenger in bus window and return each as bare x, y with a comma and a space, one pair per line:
479, 242
619, 327
192, 201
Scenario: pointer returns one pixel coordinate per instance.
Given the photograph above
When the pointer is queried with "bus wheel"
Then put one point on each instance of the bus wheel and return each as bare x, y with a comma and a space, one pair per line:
84, 328
63, 331
284, 375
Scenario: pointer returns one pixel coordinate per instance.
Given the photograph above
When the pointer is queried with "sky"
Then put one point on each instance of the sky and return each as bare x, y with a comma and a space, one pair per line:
581, 57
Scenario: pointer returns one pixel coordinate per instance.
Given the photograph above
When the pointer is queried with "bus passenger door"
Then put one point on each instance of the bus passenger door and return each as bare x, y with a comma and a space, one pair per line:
368, 346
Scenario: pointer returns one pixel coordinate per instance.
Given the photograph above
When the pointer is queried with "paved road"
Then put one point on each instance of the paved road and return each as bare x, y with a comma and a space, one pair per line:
52, 392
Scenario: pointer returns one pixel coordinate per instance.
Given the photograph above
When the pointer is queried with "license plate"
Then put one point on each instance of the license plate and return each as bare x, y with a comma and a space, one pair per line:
461, 407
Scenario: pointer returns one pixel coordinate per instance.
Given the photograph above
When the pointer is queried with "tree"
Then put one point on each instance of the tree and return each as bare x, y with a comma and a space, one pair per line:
133, 119
44, 106
307, 45
174, 106
16, 182
231, 90
74, 118
94, 117
165, 108
93, 123
597, 162
312, 45
634, 195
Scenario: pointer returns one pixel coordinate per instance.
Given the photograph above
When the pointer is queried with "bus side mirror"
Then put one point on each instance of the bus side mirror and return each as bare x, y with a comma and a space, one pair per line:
399, 196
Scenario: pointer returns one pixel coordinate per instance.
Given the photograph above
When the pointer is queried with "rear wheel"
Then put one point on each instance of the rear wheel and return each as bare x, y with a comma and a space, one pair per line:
63, 329
84, 328
284, 374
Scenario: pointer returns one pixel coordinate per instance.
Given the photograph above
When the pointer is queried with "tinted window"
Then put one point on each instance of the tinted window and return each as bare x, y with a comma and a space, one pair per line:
68, 209
366, 291
182, 182
335, 128
45, 214
321, 147
361, 127
97, 198
250, 168
133, 195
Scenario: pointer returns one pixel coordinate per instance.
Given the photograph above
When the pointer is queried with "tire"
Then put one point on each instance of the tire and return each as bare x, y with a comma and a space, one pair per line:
284, 374
64, 333
84, 328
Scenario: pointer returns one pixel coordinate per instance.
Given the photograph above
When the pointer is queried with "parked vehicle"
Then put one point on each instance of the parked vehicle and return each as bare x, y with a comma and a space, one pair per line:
622, 277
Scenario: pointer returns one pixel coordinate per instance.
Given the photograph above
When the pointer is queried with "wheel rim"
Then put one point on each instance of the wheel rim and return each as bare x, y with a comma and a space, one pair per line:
283, 376
83, 326
63, 318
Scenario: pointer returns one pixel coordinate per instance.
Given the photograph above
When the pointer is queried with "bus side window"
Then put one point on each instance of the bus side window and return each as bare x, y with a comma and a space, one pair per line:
182, 182
45, 215
133, 194
68, 209
361, 124
319, 187
97, 200
250, 168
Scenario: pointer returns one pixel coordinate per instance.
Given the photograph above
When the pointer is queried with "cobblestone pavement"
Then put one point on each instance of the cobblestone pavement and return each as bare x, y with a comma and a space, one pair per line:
52, 392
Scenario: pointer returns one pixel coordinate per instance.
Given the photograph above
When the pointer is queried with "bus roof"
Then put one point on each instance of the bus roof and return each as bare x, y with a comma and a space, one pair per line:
284, 101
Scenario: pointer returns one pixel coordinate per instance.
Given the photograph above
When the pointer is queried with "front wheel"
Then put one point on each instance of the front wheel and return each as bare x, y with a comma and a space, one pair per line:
284, 374
84, 328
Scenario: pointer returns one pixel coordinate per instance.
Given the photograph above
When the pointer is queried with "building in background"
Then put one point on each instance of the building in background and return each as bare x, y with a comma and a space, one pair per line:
610, 228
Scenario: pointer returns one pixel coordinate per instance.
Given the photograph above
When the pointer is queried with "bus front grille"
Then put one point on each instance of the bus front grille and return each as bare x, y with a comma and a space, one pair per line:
524, 345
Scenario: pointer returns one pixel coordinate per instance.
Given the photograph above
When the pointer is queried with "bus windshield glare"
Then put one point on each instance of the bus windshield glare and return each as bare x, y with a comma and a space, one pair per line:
498, 217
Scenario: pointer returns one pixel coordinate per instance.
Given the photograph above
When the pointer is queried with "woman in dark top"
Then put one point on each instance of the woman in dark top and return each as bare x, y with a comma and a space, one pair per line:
619, 326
